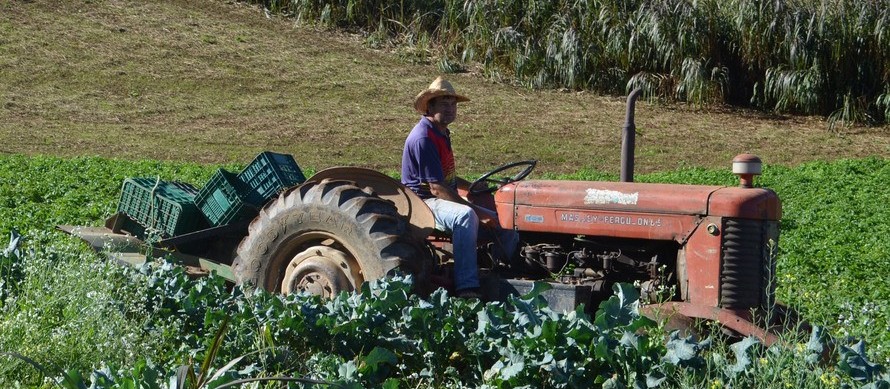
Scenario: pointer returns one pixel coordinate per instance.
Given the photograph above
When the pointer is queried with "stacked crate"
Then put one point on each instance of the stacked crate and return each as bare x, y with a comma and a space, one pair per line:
172, 208
269, 173
224, 199
167, 208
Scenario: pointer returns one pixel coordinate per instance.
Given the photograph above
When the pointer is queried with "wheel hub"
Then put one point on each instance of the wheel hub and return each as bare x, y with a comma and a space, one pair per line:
318, 270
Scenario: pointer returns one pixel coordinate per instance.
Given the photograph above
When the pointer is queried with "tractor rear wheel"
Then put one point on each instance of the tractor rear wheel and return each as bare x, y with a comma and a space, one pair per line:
324, 238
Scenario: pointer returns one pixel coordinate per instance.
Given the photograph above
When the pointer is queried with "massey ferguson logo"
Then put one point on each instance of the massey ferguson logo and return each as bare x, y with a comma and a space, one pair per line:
597, 196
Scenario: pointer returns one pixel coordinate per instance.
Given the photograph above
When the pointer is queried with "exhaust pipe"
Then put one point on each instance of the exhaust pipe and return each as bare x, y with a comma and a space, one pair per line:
628, 138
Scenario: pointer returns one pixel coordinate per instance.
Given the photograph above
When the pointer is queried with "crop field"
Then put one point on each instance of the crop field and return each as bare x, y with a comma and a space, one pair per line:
93, 92
146, 323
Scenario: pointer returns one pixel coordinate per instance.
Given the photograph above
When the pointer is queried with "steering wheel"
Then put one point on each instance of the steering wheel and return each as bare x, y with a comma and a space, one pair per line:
477, 186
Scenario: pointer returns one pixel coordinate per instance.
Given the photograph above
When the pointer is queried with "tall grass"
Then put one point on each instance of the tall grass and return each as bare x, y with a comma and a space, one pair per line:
829, 57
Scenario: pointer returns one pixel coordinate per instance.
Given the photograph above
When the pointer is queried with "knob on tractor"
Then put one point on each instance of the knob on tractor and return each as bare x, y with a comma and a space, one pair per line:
746, 166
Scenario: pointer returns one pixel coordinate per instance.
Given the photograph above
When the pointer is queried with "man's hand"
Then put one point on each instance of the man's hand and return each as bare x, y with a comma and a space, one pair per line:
486, 216
446, 192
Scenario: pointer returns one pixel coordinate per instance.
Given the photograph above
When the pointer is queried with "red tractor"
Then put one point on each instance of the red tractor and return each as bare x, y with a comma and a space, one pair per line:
696, 252
702, 252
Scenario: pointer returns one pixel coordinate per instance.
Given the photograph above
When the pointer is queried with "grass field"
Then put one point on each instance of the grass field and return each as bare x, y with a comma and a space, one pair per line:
219, 81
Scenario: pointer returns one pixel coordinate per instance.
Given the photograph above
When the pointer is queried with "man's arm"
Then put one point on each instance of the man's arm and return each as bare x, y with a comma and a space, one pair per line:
446, 192
462, 183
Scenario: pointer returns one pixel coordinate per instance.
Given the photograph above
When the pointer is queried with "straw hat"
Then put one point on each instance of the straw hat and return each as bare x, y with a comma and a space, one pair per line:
439, 87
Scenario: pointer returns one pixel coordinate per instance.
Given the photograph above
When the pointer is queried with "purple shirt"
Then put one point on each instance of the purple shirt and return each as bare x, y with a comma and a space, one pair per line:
427, 157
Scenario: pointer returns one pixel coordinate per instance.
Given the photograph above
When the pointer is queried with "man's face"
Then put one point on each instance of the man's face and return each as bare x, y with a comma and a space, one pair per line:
443, 110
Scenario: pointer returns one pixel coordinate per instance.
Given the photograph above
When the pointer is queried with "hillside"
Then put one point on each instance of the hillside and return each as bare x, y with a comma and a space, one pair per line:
219, 81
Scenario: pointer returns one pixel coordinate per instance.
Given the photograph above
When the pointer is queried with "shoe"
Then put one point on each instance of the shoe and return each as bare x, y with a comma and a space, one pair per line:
469, 293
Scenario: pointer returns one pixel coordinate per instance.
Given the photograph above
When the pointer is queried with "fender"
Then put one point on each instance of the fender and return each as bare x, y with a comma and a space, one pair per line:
421, 222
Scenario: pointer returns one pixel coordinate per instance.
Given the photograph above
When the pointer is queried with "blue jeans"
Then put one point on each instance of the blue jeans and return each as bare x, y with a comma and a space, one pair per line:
461, 222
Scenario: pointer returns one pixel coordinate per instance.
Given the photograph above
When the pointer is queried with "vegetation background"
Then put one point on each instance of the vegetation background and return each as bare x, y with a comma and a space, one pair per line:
72, 310
141, 80
95, 91
815, 57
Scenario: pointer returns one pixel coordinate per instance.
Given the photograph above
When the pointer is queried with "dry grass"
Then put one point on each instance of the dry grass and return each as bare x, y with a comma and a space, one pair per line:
218, 82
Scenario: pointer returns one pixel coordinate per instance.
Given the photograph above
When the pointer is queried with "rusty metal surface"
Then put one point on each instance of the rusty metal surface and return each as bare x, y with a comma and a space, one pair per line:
766, 325
604, 223
613, 196
702, 254
102, 238
747, 203
750, 203
129, 250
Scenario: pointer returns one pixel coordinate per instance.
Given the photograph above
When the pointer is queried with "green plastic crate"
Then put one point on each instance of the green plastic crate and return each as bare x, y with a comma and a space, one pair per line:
270, 173
224, 199
130, 226
168, 207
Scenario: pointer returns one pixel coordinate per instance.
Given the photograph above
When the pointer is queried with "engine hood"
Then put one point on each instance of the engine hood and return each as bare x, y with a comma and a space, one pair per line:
752, 203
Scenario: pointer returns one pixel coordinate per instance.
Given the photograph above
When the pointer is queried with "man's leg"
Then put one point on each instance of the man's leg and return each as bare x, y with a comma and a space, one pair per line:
462, 223
505, 242
509, 242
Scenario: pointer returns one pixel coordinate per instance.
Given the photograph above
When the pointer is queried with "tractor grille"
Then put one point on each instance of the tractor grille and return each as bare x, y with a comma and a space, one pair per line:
746, 277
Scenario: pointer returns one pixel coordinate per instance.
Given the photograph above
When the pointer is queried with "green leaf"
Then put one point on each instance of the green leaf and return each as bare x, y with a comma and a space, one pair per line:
391, 383
620, 309
816, 345
377, 357
854, 362
14, 240
630, 340
743, 350
880, 384
210, 356
512, 370
614, 383
680, 350
181, 378
347, 370
73, 380
537, 289
654, 379
493, 371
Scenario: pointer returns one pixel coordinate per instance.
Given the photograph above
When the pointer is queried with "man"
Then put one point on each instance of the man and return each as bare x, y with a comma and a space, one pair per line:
428, 169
